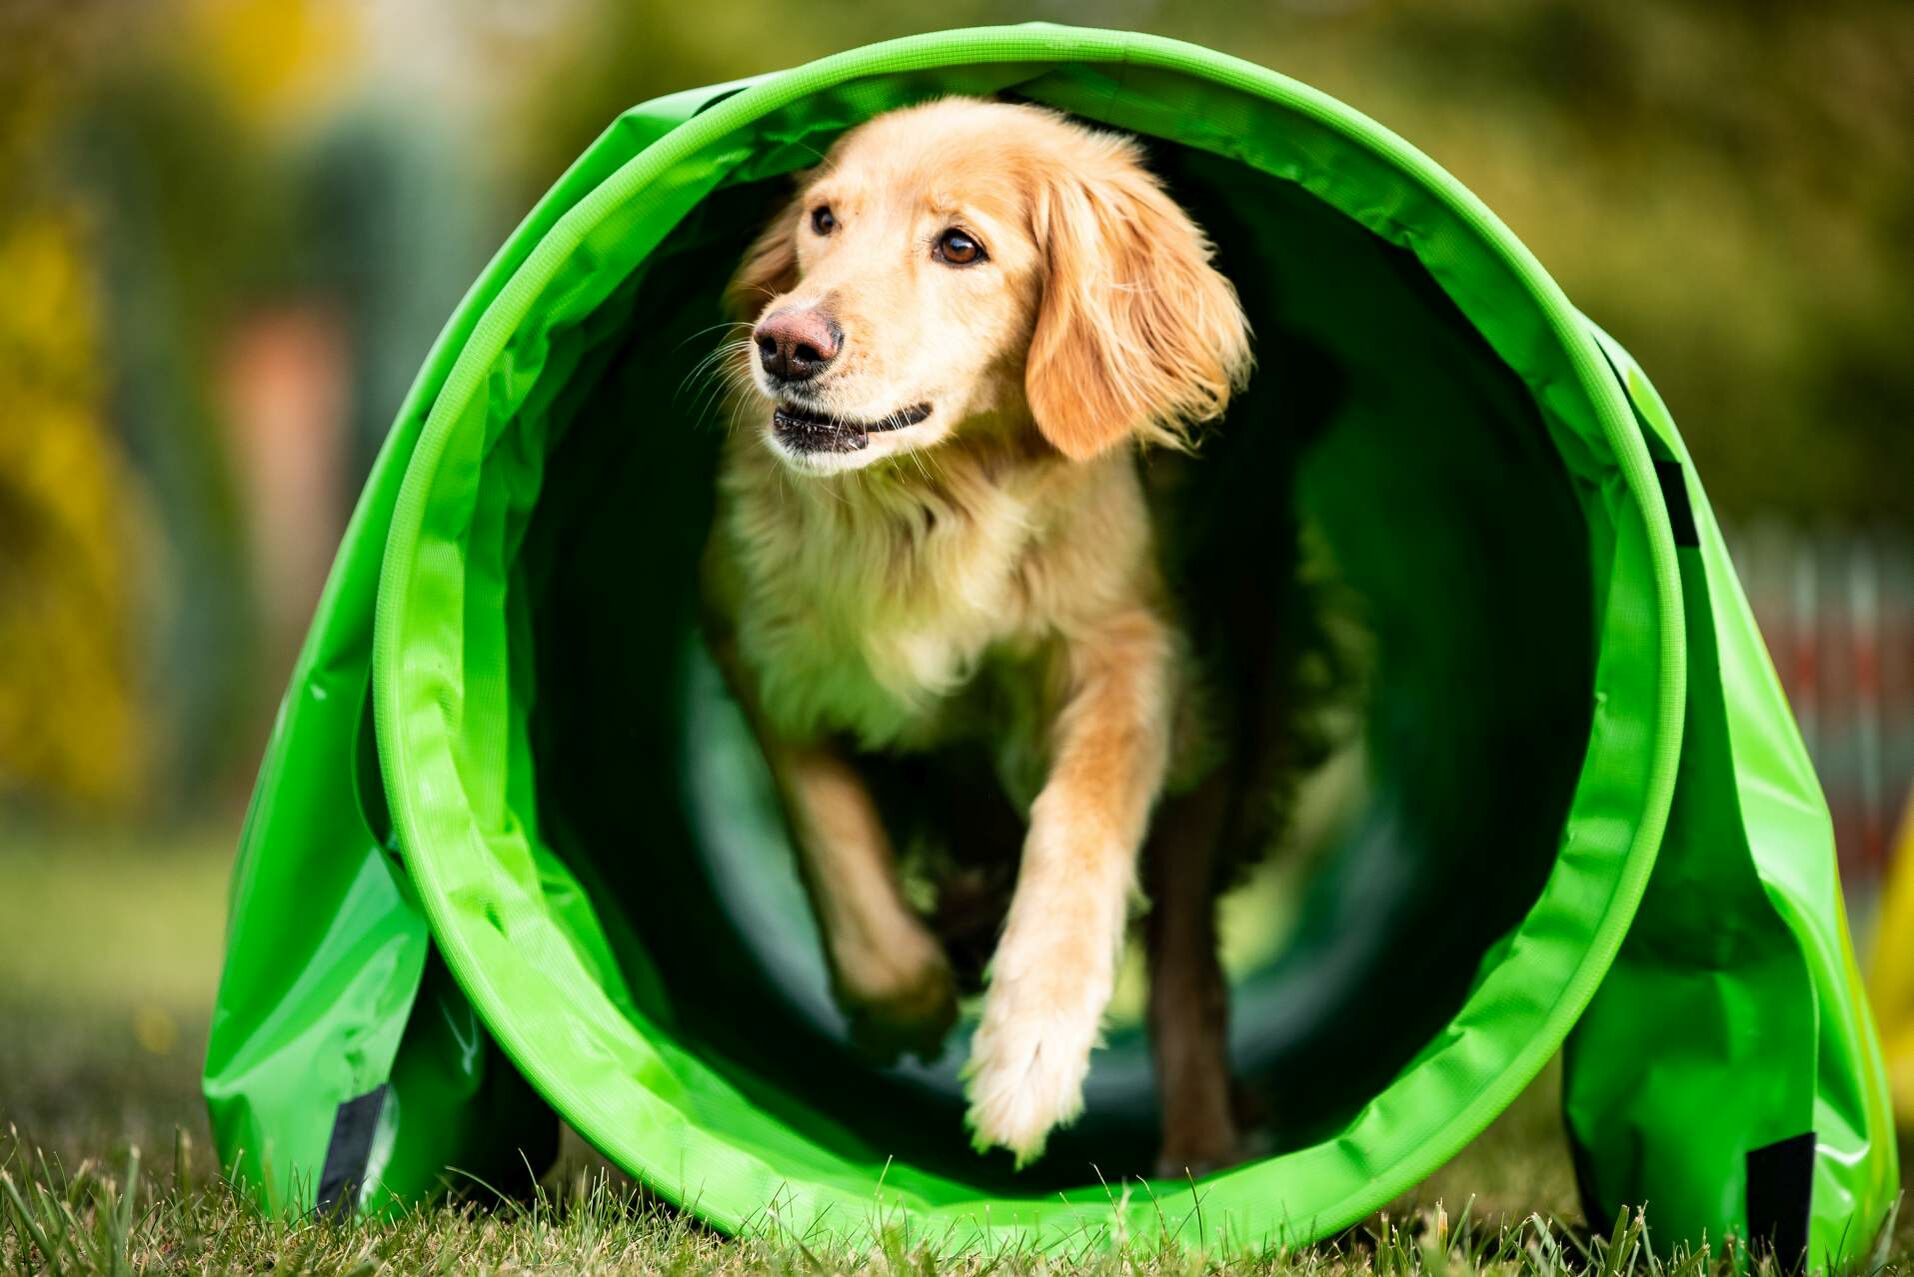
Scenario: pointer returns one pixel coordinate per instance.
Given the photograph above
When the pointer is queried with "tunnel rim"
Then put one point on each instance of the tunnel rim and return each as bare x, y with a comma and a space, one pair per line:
404, 698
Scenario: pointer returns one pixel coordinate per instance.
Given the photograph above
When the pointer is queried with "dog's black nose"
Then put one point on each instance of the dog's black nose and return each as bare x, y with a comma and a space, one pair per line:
798, 343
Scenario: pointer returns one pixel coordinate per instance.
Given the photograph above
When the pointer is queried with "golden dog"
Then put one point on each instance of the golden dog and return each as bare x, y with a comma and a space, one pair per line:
932, 528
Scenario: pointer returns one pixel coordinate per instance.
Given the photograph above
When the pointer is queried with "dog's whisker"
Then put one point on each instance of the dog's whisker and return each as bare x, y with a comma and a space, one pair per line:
712, 328
917, 455
719, 351
704, 366
714, 369
730, 404
721, 372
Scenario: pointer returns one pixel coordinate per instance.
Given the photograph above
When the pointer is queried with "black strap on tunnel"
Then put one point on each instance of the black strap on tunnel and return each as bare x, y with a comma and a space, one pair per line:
1668, 472
349, 1150
1674, 495
1780, 1192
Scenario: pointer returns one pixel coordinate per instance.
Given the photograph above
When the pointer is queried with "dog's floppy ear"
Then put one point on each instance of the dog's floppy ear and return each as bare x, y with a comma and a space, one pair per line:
769, 266
1137, 335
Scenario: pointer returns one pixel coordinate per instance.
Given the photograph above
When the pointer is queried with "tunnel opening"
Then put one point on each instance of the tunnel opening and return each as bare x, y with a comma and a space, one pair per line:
1438, 512
587, 829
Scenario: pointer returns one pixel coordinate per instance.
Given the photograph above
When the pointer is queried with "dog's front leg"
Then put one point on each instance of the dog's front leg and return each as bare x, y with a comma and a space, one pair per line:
888, 971
1053, 971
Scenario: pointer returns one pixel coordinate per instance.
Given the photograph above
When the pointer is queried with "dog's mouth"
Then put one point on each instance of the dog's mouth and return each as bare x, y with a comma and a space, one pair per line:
807, 430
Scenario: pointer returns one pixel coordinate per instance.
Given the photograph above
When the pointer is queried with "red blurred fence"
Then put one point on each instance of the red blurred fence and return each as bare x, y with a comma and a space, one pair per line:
1836, 605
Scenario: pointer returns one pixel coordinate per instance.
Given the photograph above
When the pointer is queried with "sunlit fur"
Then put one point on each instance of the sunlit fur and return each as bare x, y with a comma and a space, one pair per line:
987, 573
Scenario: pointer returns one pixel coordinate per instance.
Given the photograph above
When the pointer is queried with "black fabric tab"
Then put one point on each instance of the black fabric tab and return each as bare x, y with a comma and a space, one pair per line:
349, 1150
1674, 495
1780, 1190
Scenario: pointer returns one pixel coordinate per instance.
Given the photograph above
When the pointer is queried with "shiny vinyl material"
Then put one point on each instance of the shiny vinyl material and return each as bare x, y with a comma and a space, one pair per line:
510, 858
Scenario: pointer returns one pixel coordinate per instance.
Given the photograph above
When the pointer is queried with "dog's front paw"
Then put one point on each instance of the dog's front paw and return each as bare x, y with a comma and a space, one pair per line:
1027, 1066
899, 1000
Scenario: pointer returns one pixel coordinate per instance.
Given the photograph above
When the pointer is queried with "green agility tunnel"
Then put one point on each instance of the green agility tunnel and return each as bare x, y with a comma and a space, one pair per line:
513, 858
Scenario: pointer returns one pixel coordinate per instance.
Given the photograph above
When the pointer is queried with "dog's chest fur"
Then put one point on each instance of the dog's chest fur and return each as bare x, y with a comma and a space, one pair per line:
907, 609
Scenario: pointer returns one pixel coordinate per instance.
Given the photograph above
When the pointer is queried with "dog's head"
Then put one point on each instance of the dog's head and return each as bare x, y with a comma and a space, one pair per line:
970, 266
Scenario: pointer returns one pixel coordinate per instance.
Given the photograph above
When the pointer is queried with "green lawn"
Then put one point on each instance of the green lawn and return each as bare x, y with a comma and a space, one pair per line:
109, 952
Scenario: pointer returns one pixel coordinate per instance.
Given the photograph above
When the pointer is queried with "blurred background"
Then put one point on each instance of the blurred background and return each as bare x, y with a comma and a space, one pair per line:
230, 230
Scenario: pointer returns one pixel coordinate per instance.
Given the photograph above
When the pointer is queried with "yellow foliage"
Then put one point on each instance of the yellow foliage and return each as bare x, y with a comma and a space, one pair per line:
70, 727
277, 60
1892, 985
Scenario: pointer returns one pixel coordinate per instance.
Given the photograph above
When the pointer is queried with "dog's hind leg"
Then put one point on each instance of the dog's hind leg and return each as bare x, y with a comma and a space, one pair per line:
1189, 998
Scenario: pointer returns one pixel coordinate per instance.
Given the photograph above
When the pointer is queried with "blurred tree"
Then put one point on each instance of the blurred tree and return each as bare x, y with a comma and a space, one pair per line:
185, 220
393, 227
1726, 188
71, 733
264, 216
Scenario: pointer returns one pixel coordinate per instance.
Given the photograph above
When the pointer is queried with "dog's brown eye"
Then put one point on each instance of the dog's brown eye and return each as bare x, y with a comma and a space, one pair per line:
822, 219
958, 248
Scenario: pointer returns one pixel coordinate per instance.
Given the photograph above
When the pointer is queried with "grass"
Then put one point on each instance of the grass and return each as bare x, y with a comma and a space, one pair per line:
109, 950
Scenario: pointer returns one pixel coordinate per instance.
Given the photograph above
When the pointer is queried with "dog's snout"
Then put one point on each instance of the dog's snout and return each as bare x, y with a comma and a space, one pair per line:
797, 343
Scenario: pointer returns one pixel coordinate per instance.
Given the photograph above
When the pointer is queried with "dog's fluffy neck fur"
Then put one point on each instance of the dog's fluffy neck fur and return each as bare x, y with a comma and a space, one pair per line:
878, 595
